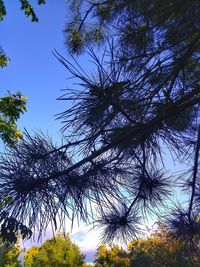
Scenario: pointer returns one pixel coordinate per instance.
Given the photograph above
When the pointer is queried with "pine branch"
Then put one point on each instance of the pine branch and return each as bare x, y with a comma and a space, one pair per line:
195, 173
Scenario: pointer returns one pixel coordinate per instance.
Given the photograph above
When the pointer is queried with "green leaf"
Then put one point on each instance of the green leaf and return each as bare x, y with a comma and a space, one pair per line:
40, 2
11, 107
2, 10
3, 61
29, 11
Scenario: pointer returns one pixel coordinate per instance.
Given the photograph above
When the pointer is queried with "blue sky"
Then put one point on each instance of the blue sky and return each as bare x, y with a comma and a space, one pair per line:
33, 69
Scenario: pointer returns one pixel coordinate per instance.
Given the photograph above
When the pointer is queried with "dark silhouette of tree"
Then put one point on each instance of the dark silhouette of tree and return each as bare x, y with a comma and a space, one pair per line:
143, 95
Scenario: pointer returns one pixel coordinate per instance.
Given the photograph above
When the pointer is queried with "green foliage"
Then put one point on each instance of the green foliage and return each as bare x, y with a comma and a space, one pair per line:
28, 9
158, 250
31, 256
11, 107
3, 59
58, 251
25, 6
76, 41
9, 255
112, 257
2, 10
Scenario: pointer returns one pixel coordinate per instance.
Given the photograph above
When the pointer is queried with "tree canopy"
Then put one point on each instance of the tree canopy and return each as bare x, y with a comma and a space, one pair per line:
159, 249
141, 100
111, 257
56, 252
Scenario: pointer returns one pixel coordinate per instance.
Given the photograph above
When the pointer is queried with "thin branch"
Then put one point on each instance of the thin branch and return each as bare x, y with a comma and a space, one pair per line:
195, 172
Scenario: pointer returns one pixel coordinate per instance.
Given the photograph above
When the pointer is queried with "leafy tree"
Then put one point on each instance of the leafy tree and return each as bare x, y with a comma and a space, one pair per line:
111, 257
56, 252
163, 249
9, 255
160, 249
31, 256
143, 95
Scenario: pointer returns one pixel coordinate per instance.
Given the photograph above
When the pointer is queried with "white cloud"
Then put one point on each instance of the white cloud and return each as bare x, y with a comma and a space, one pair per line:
88, 240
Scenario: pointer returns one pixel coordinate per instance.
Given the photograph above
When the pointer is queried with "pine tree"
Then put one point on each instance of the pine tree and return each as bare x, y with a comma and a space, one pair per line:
143, 96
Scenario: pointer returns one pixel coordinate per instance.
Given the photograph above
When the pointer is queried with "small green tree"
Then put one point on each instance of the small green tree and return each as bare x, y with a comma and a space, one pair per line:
55, 252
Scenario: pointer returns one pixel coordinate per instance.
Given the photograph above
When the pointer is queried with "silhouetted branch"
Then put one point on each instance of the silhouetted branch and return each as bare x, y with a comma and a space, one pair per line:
195, 171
